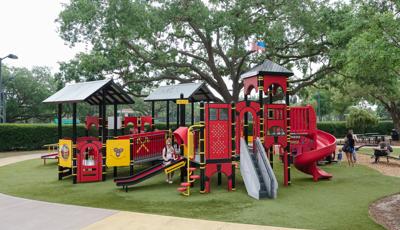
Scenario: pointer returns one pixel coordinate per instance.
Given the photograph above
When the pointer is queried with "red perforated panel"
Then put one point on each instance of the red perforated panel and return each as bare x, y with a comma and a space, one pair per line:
218, 131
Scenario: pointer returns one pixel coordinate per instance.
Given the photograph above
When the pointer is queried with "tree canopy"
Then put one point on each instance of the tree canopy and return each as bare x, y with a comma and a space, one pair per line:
347, 50
144, 42
372, 70
25, 90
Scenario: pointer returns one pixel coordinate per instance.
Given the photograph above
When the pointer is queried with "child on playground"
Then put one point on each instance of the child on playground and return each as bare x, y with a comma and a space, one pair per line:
169, 155
340, 155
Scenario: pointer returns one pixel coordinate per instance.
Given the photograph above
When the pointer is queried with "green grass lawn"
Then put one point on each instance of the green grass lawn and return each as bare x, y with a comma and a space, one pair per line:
341, 203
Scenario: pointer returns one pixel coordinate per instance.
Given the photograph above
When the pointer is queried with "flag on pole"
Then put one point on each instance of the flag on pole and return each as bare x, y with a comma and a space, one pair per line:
258, 46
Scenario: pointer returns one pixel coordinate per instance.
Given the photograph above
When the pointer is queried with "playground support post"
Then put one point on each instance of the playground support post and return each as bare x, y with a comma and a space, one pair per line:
100, 120
131, 163
74, 137
104, 134
152, 114
59, 121
261, 102
288, 133
177, 115
115, 132
271, 151
167, 115
246, 122
192, 108
202, 149
233, 143
182, 114
115, 120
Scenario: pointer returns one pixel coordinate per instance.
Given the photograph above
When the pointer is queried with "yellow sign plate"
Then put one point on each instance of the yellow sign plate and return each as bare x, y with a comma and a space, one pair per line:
65, 153
118, 153
182, 102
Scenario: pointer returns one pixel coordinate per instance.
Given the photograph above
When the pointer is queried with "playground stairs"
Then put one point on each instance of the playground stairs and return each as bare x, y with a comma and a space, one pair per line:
191, 178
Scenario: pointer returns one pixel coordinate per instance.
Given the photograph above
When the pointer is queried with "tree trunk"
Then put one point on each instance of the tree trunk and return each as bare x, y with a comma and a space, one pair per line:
396, 118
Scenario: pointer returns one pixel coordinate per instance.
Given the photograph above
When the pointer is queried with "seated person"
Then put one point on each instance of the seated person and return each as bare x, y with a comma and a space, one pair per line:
169, 155
383, 149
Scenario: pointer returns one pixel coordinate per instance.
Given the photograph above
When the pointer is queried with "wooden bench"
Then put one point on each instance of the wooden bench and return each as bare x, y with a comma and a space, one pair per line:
52, 156
52, 152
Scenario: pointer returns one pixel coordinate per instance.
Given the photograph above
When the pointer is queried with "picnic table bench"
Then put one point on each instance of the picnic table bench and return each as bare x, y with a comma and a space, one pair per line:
52, 152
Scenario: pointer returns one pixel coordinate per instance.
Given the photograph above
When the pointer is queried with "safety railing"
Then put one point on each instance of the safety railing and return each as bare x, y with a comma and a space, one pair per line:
147, 145
303, 119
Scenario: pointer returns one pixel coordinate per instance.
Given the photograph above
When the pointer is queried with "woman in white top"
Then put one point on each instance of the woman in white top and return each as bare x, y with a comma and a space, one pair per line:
169, 155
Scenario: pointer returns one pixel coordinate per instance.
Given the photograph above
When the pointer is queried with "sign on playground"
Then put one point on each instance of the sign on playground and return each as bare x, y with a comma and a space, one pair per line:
182, 102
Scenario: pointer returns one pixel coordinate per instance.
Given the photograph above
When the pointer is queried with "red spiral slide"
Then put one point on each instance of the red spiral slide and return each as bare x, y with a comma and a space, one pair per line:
307, 161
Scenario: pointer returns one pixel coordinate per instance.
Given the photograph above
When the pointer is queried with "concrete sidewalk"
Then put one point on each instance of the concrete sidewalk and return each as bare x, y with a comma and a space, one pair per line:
15, 159
18, 213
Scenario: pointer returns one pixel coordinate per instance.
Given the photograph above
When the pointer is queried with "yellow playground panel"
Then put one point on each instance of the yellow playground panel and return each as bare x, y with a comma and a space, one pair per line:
118, 153
65, 153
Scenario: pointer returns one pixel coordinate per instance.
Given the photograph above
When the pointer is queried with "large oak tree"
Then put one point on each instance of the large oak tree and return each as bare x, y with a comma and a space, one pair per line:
145, 42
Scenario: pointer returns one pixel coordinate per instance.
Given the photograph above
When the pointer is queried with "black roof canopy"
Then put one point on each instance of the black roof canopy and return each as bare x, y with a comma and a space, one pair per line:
267, 67
92, 93
192, 91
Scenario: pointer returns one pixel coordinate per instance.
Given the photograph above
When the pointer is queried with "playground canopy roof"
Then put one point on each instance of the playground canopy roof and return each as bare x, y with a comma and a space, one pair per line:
267, 68
92, 93
192, 91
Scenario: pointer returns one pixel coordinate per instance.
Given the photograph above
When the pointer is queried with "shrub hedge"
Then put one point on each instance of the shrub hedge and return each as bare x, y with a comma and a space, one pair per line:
31, 136
339, 129
34, 136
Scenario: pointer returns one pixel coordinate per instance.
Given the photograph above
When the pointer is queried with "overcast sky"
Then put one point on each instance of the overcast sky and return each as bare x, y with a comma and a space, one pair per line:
27, 29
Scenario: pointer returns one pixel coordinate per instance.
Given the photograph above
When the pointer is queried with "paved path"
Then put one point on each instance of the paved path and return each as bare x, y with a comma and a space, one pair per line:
18, 213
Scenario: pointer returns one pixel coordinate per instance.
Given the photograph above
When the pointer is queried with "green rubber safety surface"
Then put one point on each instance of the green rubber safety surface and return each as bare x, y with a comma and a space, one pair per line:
341, 203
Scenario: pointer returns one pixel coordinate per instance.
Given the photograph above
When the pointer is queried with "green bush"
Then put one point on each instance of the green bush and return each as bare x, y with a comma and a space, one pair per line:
361, 120
32, 136
339, 129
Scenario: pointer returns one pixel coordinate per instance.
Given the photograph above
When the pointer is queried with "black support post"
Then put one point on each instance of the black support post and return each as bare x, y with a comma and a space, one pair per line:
246, 123
202, 149
192, 108
261, 102
177, 115
104, 133
59, 117
132, 162
288, 131
167, 115
115, 132
153, 113
182, 114
271, 151
233, 143
100, 120
74, 151
59, 121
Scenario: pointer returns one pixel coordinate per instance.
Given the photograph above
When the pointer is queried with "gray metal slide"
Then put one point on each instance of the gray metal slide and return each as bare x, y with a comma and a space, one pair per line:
258, 176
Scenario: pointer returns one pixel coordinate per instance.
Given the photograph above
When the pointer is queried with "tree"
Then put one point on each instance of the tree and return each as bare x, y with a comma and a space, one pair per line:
361, 119
372, 70
145, 42
25, 90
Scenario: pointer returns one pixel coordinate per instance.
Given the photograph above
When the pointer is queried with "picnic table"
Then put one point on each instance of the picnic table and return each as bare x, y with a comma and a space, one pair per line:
52, 152
370, 138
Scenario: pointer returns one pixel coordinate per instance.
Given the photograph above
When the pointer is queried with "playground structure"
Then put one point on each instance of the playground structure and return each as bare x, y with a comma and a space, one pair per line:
213, 145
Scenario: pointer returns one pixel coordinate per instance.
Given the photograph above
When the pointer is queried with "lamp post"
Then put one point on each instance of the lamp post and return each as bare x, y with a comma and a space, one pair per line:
2, 94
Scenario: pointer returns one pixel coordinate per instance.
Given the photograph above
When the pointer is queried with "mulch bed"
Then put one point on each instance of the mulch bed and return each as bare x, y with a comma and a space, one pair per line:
386, 212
